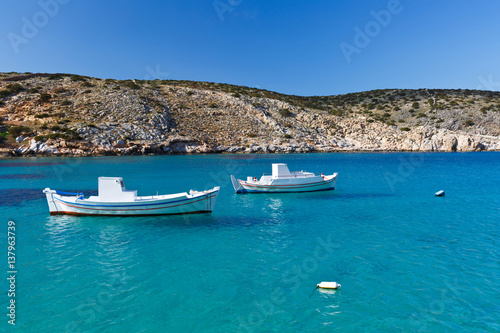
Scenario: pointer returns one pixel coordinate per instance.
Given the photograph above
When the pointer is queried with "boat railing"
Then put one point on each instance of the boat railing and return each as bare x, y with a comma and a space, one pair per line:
294, 175
70, 193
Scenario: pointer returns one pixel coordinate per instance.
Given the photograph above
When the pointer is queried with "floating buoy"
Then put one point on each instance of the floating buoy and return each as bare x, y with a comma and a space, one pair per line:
328, 285
439, 193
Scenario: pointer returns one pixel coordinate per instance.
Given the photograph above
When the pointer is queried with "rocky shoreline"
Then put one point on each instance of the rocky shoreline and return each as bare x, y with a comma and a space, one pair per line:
443, 141
69, 115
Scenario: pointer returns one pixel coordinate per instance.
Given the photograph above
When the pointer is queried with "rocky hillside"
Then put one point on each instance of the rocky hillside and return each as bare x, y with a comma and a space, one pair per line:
61, 114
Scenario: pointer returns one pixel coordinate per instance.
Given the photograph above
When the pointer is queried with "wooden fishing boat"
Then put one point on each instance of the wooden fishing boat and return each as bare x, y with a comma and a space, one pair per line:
114, 199
282, 180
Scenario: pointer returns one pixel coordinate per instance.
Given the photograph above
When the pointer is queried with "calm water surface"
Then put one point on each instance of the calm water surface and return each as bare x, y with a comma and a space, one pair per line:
407, 261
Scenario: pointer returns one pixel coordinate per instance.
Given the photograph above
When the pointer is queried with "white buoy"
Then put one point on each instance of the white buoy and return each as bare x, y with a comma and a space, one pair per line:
328, 285
439, 193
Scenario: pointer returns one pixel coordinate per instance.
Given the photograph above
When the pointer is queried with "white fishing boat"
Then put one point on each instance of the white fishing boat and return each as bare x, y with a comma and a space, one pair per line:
282, 180
114, 199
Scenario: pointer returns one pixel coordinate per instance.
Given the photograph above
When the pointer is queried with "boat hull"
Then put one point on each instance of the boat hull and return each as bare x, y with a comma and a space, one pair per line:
327, 183
201, 202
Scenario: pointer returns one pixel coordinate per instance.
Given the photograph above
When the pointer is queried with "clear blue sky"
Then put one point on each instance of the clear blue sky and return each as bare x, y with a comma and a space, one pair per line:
293, 47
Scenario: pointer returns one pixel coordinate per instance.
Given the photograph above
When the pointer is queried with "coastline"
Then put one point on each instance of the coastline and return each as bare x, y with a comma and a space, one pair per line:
6, 153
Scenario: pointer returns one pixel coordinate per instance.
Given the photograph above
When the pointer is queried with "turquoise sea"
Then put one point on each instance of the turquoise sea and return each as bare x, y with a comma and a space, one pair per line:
407, 261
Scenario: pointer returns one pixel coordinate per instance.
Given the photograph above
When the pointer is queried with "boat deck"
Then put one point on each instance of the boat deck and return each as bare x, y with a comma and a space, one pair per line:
145, 198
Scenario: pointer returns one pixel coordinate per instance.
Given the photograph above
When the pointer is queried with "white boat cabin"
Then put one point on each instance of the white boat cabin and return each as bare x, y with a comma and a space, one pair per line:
112, 189
280, 172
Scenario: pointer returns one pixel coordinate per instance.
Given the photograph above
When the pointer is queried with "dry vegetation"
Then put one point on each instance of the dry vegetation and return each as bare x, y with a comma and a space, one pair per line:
73, 108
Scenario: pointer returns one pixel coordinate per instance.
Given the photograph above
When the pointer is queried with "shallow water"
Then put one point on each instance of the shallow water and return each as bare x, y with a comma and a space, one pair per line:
407, 261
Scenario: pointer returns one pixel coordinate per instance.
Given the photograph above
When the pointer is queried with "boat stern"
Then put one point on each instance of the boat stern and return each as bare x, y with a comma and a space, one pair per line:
212, 195
334, 183
238, 188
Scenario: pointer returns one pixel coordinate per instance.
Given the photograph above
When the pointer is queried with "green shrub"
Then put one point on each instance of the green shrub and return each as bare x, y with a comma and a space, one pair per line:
288, 136
415, 105
11, 89
45, 97
213, 105
285, 113
3, 136
15, 131
66, 102
76, 78
237, 95
55, 128
129, 84
469, 122
252, 135
55, 77
42, 115
14, 88
58, 135
87, 84
35, 90
406, 129
190, 93
336, 112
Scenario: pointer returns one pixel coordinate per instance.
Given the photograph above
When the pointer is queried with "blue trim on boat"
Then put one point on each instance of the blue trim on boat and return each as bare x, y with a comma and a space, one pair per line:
273, 192
70, 193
